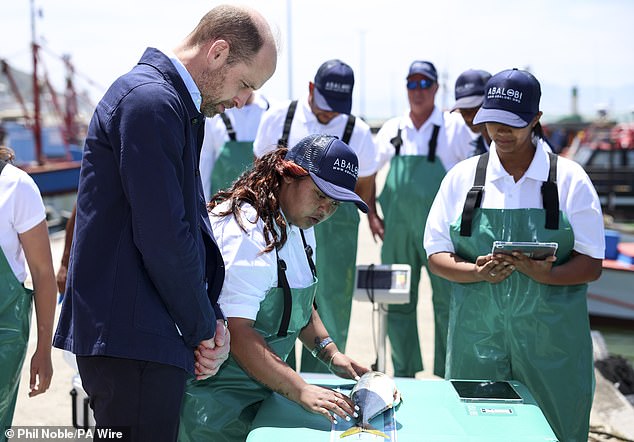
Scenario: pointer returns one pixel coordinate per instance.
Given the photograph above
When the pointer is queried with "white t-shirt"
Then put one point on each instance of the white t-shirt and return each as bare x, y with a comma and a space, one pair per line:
453, 144
21, 209
577, 199
305, 123
250, 274
245, 122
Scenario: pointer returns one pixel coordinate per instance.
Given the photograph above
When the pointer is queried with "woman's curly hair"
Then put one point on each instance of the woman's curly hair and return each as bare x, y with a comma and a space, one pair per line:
260, 187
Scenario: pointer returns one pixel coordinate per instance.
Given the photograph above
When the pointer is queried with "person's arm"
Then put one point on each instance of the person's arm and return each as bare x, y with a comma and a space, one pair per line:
37, 251
366, 189
260, 362
579, 269
452, 267
68, 241
341, 365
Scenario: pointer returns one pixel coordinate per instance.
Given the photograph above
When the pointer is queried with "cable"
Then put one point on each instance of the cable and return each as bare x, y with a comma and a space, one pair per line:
369, 290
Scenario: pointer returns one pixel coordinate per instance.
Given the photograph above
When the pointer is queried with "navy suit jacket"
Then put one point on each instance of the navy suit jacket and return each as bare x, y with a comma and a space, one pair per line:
145, 271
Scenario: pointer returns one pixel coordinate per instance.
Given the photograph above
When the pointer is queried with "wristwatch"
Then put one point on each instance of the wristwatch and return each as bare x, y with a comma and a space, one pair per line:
321, 345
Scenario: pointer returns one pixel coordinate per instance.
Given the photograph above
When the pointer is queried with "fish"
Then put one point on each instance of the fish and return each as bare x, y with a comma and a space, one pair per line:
374, 393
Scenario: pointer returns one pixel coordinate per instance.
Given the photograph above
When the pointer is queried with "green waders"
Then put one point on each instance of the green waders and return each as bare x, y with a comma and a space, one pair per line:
336, 263
520, 329
15, 320
410, 187
235, 157
221, 408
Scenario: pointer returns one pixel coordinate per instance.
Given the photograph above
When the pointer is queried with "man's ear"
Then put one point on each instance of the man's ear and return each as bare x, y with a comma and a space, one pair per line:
218, 54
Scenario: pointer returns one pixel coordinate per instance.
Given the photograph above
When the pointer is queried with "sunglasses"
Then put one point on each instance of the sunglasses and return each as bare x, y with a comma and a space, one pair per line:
422, 84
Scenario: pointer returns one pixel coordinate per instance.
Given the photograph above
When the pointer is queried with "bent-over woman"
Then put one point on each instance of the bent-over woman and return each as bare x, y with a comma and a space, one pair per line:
263, 225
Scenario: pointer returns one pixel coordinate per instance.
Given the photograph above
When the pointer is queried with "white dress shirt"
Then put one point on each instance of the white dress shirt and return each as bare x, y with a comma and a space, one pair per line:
577, 199
249, 274
305, 123
21, 209
453, 144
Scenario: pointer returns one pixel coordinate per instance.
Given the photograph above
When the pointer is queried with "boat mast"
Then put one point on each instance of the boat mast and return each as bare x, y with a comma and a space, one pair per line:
37, 128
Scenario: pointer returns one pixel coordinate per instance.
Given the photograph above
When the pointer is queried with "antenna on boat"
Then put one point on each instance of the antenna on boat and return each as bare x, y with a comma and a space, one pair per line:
37, 127
289, 50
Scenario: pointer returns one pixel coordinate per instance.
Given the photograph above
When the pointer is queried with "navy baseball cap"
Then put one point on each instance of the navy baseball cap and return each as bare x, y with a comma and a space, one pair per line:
332, 165
333, 87
469, 89
511, 98
425, 68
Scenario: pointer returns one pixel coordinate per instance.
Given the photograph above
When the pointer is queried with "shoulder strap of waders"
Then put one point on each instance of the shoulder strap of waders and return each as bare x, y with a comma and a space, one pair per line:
347, 132
230, 130
550, 195
474, 196
287, 124
433, 142
309, 253
309, 256
282, 282
397, 142
2, 164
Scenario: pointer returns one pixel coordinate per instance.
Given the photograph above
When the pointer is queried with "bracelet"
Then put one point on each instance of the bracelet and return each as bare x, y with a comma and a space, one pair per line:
321, 345
332, 358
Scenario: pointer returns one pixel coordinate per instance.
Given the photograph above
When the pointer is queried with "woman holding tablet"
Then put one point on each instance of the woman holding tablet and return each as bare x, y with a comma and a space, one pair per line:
513, 317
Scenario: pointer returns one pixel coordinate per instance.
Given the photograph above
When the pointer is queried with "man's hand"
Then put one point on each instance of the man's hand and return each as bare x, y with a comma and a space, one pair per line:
61, 279
376, 226
211, 353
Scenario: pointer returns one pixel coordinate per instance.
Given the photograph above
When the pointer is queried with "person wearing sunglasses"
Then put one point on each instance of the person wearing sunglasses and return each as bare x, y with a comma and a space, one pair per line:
326, 111
420, 146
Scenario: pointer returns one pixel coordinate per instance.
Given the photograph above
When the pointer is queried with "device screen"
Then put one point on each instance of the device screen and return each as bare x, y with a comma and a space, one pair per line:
486, 391
374, 279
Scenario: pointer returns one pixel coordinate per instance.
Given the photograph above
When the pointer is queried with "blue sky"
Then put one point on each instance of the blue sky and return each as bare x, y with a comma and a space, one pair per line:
564, 43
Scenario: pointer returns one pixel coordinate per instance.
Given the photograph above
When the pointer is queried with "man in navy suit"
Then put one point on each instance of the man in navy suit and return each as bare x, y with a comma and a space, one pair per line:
140, 309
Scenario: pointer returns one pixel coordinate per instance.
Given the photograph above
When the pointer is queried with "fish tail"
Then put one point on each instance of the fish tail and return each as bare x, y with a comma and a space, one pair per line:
364, 429
350, 431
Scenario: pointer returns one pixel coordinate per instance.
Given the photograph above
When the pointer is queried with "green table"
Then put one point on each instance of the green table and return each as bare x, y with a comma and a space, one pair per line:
431, 411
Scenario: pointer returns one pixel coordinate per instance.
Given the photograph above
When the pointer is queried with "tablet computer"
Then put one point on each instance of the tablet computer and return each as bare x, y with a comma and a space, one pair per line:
486, 391
534, 250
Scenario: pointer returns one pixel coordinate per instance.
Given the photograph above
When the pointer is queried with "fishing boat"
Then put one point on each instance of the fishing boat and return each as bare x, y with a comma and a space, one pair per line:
56, 170
45, 135
611, 297
605, 149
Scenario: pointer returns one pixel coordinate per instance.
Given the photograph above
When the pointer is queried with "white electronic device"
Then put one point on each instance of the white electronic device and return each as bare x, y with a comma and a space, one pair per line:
383, 283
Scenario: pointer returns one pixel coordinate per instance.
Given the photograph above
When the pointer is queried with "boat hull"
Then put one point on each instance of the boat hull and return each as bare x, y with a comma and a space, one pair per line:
55, 178
612, 295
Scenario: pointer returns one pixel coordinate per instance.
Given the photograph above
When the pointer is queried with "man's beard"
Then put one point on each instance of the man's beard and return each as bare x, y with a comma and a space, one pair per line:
212, 83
